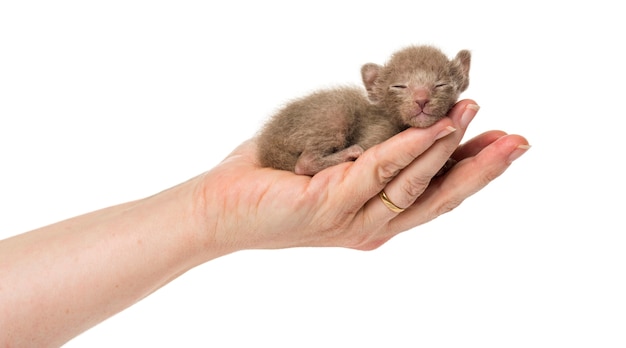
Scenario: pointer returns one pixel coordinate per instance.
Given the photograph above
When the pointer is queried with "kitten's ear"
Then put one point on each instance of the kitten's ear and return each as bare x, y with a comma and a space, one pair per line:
462, 60
369, 74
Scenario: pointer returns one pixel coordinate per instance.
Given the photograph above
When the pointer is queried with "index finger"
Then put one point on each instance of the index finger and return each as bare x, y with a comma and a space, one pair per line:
378, 165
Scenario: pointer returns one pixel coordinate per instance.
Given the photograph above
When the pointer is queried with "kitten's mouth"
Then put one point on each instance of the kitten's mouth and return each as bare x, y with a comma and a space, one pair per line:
423, 119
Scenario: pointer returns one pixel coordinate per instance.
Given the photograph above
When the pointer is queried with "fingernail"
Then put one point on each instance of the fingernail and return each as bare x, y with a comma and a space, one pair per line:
520, 150
445, 132
468, 114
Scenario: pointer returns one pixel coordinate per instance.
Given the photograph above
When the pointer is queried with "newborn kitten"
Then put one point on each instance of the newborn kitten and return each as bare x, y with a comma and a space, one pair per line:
416, 88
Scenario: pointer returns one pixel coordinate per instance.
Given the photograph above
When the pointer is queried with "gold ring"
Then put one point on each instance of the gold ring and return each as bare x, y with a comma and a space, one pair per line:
389, 204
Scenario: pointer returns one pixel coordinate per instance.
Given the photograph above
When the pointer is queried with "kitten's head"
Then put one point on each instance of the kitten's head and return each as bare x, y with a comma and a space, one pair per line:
419, 84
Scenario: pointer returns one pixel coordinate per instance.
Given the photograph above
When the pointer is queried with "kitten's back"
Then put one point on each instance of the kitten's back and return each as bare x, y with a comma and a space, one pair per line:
323, 120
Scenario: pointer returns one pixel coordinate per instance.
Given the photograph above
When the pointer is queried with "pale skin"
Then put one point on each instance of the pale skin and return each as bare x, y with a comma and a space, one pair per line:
62, 279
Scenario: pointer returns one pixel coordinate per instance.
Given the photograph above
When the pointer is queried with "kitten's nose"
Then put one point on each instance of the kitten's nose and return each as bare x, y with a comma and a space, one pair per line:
421, 96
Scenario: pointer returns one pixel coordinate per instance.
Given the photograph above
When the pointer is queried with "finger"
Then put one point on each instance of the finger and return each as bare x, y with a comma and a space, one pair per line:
475, 145
368, 175
414, 178
466, 178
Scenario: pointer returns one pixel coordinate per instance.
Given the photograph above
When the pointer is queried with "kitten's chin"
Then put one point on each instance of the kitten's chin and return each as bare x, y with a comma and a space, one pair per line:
423, 120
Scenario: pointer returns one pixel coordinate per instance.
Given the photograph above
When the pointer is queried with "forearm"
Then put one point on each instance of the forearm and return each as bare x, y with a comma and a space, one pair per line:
60, 280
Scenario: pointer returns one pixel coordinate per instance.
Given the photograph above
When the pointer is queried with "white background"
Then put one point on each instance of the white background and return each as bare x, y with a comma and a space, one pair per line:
105, 102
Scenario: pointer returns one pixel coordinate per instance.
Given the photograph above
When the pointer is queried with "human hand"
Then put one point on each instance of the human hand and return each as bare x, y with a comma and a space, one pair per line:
249, 207
128, 250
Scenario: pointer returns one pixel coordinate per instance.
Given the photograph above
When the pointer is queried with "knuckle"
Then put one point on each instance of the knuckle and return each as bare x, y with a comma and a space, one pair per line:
386, 172
488, 177
386, 168
448, 206
415, 185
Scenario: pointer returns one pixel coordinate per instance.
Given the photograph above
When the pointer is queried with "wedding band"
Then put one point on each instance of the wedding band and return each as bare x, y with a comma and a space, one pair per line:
389, 204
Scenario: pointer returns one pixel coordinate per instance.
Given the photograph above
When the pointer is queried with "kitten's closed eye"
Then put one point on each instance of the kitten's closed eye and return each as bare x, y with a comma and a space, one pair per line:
441, 85
398, 86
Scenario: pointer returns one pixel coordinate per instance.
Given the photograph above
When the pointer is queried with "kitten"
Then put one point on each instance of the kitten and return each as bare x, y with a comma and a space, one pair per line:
417, 87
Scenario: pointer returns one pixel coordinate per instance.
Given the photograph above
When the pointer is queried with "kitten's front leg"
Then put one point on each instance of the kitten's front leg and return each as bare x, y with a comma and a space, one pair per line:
310, 163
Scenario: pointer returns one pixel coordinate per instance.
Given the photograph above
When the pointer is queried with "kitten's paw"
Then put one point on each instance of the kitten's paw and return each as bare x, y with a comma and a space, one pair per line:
312, 163
351, 153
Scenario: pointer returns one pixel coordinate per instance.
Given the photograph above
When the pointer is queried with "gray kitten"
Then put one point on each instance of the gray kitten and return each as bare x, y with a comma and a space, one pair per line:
417, 87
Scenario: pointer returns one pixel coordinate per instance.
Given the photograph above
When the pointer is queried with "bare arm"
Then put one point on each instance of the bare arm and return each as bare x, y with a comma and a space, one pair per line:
58, 281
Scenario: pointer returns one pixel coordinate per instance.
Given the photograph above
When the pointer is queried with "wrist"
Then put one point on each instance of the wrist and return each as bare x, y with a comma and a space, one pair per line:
201, 214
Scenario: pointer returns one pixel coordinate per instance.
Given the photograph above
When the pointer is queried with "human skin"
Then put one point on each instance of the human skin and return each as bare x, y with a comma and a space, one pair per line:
62, 279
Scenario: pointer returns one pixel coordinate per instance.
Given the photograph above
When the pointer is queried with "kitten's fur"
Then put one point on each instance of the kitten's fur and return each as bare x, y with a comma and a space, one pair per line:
416, 88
